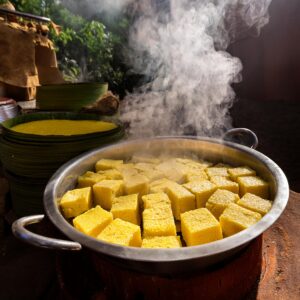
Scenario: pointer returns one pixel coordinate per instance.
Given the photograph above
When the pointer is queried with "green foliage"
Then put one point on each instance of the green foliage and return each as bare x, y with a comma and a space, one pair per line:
86, 50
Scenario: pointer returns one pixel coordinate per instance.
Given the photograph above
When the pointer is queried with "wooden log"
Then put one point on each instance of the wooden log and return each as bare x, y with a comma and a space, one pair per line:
280, 277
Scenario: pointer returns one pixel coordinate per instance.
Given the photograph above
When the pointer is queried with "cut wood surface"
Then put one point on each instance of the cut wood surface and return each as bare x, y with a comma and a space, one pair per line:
280, 277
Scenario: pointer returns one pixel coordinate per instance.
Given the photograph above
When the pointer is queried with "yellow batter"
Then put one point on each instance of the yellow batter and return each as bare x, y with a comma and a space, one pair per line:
63, 127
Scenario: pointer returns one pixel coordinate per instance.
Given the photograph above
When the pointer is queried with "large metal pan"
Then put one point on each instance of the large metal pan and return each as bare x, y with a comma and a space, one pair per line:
159, 261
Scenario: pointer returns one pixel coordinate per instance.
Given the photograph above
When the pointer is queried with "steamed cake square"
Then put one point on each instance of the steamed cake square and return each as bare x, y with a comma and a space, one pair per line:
182, 200
158, 221
122, 233
219, 200
199, 226
105, 191
136, 184
255, 203
105, 164
222, 165
202, 190
225, 183
194, 163
161, 242
160, 185
195, 175
111, 174
153, 175
254, 185
171, 171
126, 208
155, 200
127, 170
93, 221
76, 202
217, 171
234, 173
89, 179
236, 218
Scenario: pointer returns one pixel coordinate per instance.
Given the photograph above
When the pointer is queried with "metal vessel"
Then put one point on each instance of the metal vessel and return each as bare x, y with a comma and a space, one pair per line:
160, 261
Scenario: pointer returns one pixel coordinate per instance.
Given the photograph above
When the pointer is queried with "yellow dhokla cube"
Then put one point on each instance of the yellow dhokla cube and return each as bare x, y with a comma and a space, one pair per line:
153, 175
105, 164
171, 171
111, 174
236, 218
76, 202
225, 183
156, 200
89, 179
194, 163
161, 242
126, 208
93, 221
219, 200
217, 171
195, 175
202, 190
199, 226
182, 200
158, 213
234, 173
254, 185
160, 185
158, 221
142, 166
222, 165
255, 203
136, 184
122, 233
127, 170
105, 191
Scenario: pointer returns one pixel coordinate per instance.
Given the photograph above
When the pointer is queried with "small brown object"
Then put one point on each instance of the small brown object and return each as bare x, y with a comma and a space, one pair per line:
108, 104
8, 5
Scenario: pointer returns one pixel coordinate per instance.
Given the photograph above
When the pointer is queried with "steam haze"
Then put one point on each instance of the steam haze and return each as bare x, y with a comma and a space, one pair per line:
180, 47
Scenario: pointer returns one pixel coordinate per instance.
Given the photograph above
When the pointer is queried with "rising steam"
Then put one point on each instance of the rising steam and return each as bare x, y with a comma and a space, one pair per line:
181, 48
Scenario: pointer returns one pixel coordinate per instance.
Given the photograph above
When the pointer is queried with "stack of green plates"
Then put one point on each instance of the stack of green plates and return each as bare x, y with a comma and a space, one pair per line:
30, 160
69, 96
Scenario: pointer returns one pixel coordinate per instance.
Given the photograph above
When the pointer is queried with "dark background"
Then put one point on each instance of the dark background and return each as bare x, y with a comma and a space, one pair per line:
269, 95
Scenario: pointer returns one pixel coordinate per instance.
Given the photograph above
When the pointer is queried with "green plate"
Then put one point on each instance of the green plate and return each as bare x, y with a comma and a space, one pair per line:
69, 96
35, 156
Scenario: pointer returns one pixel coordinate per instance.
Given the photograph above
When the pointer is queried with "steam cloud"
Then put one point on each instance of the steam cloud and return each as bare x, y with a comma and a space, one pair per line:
181, 47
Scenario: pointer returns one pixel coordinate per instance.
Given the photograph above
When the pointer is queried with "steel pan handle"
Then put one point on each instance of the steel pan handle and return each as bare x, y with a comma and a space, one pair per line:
19, 230
242, 136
